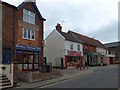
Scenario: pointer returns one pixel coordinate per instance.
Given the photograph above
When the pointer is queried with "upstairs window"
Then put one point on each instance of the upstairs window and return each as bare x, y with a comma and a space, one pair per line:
78, 46
28, 16
71, 46
28, 34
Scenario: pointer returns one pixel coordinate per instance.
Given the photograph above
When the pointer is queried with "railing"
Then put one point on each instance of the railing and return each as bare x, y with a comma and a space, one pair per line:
7, 69
28, 66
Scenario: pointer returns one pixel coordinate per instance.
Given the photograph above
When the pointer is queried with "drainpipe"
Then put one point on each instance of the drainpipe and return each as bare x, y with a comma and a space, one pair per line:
1, 32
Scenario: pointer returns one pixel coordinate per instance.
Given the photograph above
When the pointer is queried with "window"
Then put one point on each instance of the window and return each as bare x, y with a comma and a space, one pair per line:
28, 34
25, 31
78, 47
28, 16
32, 35
71, 46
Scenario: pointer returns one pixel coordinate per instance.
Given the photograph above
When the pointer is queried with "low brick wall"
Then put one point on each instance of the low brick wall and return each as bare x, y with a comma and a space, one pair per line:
36, 76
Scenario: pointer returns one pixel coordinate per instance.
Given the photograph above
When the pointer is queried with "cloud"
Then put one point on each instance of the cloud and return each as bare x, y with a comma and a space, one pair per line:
88, 17
107, 33
83, 17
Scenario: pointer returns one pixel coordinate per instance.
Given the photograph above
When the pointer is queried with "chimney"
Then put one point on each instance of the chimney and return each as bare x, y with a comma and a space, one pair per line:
58, 27
31, 1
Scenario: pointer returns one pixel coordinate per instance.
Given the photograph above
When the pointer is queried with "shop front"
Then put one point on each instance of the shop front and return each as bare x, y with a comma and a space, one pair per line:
27, 57
72, 59
93, 58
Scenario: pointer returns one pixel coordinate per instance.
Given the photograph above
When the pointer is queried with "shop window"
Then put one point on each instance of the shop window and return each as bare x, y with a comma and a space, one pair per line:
28, 34
74, 59
28, 16
36, 58
30, 58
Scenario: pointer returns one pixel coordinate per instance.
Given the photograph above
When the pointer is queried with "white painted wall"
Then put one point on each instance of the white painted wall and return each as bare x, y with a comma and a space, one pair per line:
101, 50
8, 72
75, 47
54, 47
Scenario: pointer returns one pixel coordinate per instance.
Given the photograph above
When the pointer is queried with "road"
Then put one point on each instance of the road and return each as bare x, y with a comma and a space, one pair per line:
102, 78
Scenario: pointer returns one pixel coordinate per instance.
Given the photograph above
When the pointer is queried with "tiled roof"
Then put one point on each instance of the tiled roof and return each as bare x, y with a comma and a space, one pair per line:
69, 37
88, 40
112, 44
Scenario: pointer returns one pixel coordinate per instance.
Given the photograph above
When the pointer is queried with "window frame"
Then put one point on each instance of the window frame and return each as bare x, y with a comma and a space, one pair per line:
78, 47
27, 34
30, 14
71, 45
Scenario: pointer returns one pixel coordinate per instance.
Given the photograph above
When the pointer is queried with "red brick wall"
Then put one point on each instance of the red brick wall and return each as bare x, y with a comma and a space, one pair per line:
38, 34
19, 15
90, 48
7, 26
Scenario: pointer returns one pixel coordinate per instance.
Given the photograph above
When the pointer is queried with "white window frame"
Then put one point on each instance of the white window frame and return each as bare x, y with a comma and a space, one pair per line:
78, 47
71, 45
31, 34
27, 34
30, 14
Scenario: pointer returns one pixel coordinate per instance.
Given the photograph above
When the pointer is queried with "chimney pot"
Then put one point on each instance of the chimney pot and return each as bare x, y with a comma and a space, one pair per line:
58, 27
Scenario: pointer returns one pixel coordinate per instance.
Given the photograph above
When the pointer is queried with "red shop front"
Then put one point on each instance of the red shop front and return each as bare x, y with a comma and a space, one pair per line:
72, 59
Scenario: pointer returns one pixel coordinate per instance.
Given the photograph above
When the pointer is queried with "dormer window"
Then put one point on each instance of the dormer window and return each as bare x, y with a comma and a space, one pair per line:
28, 16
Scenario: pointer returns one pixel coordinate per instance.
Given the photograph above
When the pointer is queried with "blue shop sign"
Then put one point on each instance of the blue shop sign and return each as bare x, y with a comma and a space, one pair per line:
30, 48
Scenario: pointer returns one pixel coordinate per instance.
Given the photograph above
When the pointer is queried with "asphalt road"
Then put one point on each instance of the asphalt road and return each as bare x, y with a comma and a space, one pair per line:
101, 78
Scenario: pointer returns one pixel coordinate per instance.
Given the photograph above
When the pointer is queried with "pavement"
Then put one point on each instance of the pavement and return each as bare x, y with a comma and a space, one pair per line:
68, 74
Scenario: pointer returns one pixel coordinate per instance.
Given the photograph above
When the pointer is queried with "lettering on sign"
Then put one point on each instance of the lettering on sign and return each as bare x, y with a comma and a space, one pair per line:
74, 53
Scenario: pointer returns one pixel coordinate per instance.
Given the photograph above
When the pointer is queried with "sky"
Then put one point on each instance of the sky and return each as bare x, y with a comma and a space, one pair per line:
93, 18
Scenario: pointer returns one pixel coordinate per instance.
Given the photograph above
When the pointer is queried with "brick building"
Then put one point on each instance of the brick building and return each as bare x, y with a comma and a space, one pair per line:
22, 36
7, 30
94, 50
114, 48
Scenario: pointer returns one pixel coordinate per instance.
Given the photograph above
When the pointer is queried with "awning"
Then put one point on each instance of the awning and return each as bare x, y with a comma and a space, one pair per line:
94, 54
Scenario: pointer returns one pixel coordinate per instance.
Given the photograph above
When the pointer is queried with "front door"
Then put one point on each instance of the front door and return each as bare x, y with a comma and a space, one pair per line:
62, 63
6, 56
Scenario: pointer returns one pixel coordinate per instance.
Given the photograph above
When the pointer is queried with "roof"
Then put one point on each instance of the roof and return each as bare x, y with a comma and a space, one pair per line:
88, 40
7, 4
69, 37
34, 4
22, 4
112, 44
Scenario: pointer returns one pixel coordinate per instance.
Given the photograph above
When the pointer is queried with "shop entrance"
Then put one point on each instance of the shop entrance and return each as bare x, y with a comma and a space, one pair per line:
72, 61
27, 60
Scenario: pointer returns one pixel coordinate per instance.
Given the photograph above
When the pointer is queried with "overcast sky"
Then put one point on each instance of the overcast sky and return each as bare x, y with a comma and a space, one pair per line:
93, 18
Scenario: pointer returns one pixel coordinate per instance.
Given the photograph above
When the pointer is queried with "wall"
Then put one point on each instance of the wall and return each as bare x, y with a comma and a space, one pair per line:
7, 26
8, 37
89, 48
54, 47
8, 72
38, 27
75, 46
101, 50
